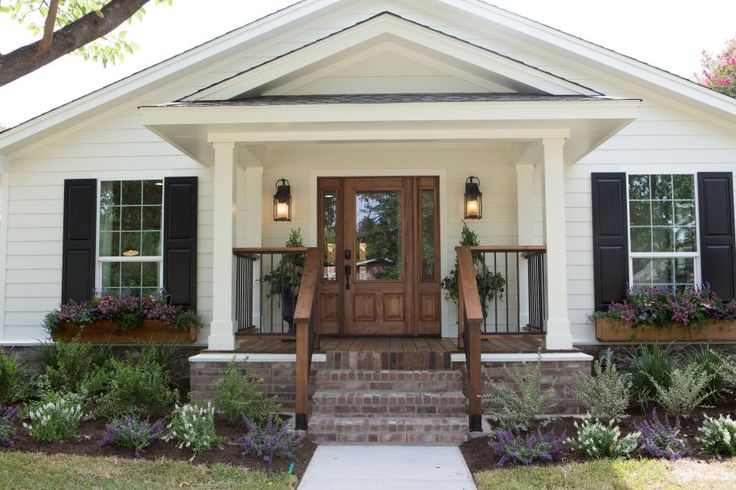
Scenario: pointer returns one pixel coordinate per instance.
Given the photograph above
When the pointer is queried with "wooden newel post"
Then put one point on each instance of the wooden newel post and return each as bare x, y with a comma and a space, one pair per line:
302, 375
470, 319
302, 321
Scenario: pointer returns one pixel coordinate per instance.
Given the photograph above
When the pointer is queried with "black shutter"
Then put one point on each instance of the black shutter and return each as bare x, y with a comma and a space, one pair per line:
610, 238
180, 240
715, 200
79, 240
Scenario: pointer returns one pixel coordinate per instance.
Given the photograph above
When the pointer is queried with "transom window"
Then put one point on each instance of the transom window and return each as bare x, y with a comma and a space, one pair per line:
130, 237
663, 230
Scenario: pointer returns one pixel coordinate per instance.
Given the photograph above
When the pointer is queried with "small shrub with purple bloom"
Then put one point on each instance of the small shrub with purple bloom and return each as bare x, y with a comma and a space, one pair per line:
660, 439
517, 448
133, 433
7, 424
272, 440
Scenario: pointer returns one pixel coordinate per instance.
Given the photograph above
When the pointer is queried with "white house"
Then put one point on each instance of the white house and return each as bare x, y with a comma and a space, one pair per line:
597, 172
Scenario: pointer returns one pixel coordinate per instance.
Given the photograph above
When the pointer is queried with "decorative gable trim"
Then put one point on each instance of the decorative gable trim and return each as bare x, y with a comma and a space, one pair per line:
387, 26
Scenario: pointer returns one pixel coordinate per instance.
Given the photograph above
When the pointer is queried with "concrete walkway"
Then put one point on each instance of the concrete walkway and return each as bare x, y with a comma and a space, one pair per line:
387, 467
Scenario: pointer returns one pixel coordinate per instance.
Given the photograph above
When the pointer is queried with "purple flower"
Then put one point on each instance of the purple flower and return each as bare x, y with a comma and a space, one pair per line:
660, 439
273, 440
7, 424
132, 433
517, 448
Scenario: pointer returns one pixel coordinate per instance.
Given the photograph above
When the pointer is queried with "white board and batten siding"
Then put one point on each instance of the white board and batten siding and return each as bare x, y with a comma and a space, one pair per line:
669, 136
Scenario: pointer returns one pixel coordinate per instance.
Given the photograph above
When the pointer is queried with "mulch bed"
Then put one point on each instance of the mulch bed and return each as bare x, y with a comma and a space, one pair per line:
480, 457
91, 432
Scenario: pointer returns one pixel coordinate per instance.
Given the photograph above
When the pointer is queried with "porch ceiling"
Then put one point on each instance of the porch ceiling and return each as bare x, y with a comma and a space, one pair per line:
585, 121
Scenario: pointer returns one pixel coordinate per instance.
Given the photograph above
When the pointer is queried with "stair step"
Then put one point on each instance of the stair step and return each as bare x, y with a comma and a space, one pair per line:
424, 380
388, 360
389, 429
371, 403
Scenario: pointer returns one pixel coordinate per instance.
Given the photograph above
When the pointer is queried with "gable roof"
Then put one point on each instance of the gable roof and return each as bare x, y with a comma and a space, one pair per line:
513, 73
109, 96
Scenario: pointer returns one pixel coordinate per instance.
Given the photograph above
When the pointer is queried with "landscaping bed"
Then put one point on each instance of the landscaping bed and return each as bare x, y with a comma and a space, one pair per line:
90, 433
479, 456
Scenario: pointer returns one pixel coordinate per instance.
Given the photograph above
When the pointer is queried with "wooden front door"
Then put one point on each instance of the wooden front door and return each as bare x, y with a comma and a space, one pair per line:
380, 240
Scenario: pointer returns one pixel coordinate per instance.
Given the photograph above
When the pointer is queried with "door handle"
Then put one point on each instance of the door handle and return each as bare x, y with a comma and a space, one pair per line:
348, 271
347, 254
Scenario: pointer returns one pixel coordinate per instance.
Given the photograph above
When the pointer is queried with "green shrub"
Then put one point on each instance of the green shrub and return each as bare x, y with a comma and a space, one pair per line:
718, 436
685, 393
598, 440
13, 379
140, 389
171, 357
129, 320
717, 366
648, 364
236, 396
193, 427
66, 365
516, 405
606, 395
55, 418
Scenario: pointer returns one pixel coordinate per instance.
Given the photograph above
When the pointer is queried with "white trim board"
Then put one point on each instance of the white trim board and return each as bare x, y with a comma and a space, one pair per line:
245, 357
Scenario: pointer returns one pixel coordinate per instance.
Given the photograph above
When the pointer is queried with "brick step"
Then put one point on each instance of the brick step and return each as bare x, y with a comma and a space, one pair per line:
389, 430
387, 360
425, 381
372, 403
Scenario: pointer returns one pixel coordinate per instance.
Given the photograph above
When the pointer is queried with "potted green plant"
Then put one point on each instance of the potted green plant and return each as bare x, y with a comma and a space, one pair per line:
490, 284
284, 280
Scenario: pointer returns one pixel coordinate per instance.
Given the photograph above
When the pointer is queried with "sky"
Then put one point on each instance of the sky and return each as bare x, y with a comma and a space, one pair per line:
669, 34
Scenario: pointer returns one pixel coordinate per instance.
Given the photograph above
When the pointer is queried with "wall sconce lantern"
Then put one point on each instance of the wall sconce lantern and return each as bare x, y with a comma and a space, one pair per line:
473, 199
282, 201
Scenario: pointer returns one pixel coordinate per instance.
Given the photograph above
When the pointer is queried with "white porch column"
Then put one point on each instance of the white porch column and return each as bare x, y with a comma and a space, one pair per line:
222, 328
558, 325
254, 233
525, 233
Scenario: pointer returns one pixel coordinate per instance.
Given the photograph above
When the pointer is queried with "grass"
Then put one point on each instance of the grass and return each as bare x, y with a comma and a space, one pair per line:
34, 470
615, 474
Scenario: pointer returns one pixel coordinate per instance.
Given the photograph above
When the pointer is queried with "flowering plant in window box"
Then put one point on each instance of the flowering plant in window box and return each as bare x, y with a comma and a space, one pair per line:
662, 314
109, 318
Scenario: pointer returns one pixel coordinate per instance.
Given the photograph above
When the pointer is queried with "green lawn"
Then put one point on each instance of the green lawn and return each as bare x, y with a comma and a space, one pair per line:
33, 470
616, 474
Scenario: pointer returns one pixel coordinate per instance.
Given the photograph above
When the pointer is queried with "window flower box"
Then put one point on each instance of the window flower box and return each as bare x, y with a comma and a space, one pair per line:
123, 320
109, 332
614, 330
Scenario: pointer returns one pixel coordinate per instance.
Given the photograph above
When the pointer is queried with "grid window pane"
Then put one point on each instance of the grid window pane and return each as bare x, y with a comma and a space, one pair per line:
130, 218
662, 217
130, 227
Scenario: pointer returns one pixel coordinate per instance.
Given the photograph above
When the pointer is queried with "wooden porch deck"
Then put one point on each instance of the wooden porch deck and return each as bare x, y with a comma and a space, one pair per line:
499, 345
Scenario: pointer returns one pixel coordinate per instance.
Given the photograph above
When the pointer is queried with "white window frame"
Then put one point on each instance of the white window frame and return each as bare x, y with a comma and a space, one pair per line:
107, 259
665, 255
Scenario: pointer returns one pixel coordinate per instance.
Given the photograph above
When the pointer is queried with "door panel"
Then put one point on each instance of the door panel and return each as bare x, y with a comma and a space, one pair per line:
379, 237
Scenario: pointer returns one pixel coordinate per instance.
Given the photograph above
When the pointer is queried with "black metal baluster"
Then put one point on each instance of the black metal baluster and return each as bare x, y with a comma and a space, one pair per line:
518, 295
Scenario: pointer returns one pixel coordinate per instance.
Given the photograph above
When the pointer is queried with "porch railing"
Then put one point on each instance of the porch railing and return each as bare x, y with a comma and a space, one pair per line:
501, 290
275, 294
517, 307
267, 282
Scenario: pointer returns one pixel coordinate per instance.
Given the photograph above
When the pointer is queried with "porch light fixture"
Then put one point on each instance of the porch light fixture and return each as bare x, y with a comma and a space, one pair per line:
282, 201
473, 199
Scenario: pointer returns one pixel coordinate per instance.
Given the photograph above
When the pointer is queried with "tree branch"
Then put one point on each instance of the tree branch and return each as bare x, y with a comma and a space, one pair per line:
82, 31
48, 27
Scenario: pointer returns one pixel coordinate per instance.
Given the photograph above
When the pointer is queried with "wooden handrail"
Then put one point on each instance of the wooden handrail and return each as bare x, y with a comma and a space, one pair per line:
302, 317
265, 250
470, 319
515, 248
467, 285
308, 286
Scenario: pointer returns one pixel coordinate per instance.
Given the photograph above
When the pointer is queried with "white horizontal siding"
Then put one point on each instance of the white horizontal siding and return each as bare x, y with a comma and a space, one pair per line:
666, 137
